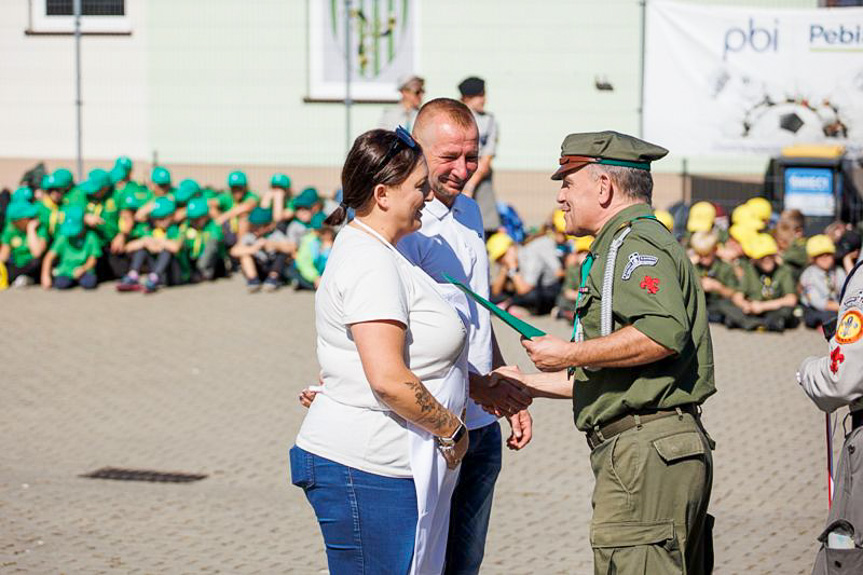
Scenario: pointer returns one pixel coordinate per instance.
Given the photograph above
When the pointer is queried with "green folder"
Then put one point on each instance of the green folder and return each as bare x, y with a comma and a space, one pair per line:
521, 326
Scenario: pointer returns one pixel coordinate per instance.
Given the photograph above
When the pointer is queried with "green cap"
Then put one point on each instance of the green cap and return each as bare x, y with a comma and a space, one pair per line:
124, 162
261, 216
164, 208
197, 207
608, 148
23, 194
317, 221
88, 187
100, 179
63, 178
134, 197
161, 176
73, 224
307, 198
187, 190
280, 181
117, 174
47, 182
237, 180
19, 210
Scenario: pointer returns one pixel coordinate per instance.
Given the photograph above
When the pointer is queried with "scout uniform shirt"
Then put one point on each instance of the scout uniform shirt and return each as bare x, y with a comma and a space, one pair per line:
195, 240
174, 232
759, 286
109, 210
226, 202
73, 253
49, 216
17, 241
132, 198
721, 272
657, 291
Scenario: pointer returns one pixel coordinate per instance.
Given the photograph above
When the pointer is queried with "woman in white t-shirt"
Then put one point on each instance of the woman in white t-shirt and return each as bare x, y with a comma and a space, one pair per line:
378, 452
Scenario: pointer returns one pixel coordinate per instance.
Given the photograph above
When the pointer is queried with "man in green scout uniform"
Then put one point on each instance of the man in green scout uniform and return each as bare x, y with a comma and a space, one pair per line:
22, 244
204, 242
641, 363
767, 292
161, 248
75, 253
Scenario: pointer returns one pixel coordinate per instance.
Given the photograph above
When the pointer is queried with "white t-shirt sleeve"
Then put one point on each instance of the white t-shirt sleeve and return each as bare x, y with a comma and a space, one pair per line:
373, 290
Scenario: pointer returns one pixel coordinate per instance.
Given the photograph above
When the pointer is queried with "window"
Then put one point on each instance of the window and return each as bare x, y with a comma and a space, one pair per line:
97, 17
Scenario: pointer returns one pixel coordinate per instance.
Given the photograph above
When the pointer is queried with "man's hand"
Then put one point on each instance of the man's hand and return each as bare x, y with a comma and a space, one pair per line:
549, 353
499, 396
522, 430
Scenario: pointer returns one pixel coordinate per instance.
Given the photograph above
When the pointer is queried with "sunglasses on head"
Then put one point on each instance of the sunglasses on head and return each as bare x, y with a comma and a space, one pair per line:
402, 137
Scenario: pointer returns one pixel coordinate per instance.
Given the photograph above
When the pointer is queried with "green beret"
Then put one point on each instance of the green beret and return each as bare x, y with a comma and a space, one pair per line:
197, 207
307, 198
261, 216
164, 208
62, 178
161, 176
237, 180
280, 181
23, 194
608, 148
20, 210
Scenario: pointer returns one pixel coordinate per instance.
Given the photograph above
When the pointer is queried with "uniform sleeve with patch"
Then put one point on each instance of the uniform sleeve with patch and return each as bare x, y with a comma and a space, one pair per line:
836, 380
647, 294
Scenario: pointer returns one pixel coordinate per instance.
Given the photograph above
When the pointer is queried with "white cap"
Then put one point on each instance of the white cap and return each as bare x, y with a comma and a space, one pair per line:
406, 79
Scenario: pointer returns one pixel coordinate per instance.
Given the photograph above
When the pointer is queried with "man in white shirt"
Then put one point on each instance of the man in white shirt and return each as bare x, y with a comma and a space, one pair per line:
411, 89
451, 241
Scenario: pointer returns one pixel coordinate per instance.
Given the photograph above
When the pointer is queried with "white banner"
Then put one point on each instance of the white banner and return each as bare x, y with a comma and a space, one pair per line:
736, 79
384, 41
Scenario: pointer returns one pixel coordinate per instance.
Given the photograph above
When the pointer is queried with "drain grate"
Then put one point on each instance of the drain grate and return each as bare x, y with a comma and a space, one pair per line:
119, 474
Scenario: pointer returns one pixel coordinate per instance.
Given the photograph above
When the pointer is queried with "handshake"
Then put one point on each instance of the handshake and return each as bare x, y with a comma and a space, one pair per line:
501, 392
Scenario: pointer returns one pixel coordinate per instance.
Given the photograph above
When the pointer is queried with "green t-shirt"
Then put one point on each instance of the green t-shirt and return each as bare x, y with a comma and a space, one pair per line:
196, 239
17, 240
49, 216
226, 199
131, 198
657, 291
795, 258
76, 196
109, 210
72, 253
720, 271
758, 286
174, 232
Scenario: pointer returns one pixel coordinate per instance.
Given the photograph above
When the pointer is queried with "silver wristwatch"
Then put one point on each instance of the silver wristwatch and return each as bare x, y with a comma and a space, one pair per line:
449, 443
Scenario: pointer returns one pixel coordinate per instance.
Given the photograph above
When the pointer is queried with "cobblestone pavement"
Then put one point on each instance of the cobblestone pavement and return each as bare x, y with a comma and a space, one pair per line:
204, 379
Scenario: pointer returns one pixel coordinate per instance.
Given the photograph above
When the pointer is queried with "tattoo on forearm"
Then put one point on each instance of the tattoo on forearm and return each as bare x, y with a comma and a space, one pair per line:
432, 414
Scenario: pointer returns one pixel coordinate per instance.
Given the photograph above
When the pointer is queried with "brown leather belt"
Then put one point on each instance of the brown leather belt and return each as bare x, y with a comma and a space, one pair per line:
628, 421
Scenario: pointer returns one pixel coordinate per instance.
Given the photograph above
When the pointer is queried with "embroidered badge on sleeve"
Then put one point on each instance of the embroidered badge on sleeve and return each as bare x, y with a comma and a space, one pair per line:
850, 327
836, 357
635, 261
650, 284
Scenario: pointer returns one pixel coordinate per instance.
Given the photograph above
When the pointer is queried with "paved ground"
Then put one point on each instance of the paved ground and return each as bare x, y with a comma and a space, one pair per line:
204, 380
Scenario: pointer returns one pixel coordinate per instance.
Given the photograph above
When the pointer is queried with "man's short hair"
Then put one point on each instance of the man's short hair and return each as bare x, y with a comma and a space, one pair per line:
634, 183
456, 111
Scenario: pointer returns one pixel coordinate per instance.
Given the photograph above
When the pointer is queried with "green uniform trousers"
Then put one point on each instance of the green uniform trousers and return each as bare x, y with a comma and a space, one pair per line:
653, 486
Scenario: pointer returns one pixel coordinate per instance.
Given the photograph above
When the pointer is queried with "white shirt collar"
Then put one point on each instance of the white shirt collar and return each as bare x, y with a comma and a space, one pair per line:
439, 210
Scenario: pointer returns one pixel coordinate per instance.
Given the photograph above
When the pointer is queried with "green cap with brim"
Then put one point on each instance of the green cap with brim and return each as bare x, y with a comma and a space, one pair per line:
88, 187
307, 198
280, 181
237, 180
161, 176
261, 216
118, 174
100, 178
197, 208
317, 221
124, 162
22, 194
20, 210
72, 226
47, 182
607, 148
164, 208
187, 190
62, 178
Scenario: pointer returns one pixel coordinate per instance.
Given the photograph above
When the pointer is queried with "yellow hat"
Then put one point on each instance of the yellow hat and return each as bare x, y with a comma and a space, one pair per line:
559, 221
497, 245
583, 243
701, 217
760, 208
761, 246
819, 245
742, 233
665, 219
4, 277
744, 215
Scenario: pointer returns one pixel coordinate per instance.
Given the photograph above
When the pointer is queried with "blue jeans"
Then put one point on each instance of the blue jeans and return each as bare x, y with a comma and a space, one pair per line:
86, 281
471, 502
368, 521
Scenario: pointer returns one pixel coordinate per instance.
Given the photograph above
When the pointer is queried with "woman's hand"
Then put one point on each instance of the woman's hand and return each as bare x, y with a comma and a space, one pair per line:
456, 454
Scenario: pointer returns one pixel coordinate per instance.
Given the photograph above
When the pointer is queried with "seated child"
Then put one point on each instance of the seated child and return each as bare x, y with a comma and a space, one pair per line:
160, 249
22, 243
306, 205
767, 293
313, 253
717, 277
204, 242
572, 278
263, 252
821, 283
75, 252
280, 198
529, 276
792, 245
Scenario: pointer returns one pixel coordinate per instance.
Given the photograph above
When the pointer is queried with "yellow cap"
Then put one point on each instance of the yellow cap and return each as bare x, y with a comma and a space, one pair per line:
497, 245
701, 217
744, 215
665, 219
4, 277
583, 243
761, 246
819, 245
760, 208
559, 221
743, 233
